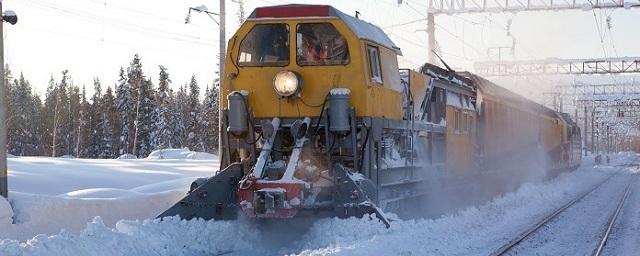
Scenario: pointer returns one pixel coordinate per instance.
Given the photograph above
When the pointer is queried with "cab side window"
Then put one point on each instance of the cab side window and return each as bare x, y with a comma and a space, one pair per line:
374, 64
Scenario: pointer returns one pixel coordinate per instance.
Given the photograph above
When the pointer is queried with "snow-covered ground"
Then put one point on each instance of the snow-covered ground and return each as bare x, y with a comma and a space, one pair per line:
50, 194
72, 203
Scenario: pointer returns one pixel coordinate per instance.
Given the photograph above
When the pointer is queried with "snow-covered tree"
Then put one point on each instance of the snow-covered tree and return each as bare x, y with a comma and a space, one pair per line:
164, 124
146, 118
210, 116
194, 123
179, 117
84, 131
125, 104
110, 124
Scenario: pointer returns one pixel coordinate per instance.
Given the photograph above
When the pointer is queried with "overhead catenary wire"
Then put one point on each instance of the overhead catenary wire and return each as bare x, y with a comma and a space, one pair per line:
137, 28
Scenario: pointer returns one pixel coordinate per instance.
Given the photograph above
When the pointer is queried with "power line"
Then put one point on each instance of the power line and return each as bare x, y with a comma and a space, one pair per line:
404, 23
461, 40
122, 25
115, 42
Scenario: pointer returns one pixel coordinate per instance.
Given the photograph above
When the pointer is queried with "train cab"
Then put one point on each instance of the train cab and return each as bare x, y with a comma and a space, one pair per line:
288, 58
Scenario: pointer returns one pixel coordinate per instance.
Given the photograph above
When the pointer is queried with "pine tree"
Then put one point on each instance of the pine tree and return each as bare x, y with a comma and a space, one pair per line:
75, 106
37, 125
164, 125
106, 149
84, 127
194, 123
179, 117
108, 128
210, 117
23, 135
60, 143
125, 105
96, 120
136, 80
146, 118
48, 116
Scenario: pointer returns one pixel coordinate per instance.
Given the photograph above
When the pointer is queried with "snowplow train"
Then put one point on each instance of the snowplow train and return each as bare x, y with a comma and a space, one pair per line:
321, 122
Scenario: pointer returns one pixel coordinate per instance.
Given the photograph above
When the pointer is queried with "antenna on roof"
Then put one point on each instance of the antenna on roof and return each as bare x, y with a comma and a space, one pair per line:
444, 63
357, 15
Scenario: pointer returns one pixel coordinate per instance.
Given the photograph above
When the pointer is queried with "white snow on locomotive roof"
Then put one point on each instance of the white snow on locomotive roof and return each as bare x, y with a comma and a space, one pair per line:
366, 30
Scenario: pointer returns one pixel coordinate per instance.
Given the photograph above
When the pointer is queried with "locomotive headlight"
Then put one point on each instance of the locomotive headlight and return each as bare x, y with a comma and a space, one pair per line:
287, 83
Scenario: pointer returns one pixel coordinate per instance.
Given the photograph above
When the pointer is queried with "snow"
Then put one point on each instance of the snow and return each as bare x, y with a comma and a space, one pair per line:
5, 212
393, 159
184, 153
127, 156
50, 194
472, 231
340, 91
9, 13
577, 230
169, 237
368, 31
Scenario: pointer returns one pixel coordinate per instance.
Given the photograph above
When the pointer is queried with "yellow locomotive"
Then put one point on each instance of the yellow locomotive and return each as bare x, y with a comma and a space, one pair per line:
321, 122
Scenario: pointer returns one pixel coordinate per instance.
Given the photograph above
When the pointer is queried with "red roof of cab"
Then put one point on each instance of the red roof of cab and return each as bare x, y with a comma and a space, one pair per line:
292, 11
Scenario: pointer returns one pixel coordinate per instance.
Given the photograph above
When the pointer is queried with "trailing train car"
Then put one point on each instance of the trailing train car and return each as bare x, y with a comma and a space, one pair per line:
321, 122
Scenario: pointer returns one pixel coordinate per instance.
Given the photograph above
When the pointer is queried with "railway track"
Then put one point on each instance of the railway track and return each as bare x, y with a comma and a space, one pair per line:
513, 243
603, 241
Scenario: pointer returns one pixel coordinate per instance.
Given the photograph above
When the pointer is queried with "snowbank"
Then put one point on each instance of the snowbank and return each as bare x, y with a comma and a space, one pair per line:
150, 237
58, 176
127, 156
5, 212
184, 153
41, 214
51, 194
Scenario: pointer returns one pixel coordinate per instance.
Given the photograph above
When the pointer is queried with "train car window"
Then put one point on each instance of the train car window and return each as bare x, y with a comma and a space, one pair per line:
265, 45
320, 44
374, 64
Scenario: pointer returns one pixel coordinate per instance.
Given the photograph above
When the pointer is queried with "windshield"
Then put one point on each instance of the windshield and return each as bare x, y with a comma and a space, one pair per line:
265, 45
320, 44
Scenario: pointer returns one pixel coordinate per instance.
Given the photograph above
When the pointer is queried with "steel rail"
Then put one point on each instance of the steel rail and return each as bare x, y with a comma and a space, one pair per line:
522, 236
612, 220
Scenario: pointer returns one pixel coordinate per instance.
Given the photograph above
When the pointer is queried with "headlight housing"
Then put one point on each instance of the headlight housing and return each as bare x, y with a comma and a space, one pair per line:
287, 83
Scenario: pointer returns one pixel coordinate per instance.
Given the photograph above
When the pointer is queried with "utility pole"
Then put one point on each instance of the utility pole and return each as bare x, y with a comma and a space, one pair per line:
431, 37
12, 18
593, 141
584, 137
223, 53
4, 186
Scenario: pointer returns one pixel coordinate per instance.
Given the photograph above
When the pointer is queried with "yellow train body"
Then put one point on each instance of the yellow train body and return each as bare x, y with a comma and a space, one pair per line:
368, 97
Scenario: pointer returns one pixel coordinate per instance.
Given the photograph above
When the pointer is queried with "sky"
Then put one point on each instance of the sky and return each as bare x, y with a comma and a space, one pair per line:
94, 38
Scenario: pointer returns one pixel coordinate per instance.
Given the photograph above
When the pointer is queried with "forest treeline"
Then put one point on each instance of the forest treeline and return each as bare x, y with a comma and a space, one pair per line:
134, 116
